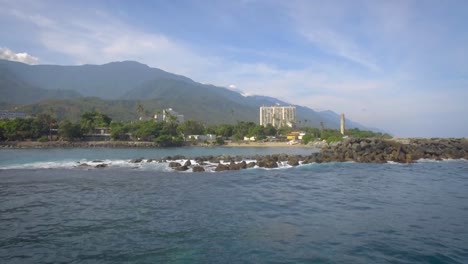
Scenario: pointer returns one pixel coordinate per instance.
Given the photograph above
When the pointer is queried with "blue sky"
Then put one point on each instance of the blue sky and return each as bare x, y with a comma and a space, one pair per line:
401, 66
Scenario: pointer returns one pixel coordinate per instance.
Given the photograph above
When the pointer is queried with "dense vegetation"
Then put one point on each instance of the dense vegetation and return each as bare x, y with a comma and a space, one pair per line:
165, 133
334, 135
118, 88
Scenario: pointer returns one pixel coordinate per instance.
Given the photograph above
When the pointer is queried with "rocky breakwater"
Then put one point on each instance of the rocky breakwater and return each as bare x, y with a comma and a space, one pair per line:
395, 150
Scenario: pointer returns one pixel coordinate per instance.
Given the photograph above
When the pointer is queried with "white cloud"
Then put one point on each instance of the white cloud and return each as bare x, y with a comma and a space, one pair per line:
379, 86
8, 54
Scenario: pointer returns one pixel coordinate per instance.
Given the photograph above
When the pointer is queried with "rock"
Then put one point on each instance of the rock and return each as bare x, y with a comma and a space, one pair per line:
238, 166
282, 157
364, 144
222, 167
187, 163
293, 161
181, 168
96, 161
356, 147
267, 162
138, 160
174, 164
198, 169
101, 165
251, 164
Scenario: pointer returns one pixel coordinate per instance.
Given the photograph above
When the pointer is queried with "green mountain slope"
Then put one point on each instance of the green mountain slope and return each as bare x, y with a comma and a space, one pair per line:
108, 81
117, 88
15, 91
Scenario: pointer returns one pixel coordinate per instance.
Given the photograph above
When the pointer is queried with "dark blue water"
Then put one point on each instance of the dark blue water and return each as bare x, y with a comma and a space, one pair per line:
317, 213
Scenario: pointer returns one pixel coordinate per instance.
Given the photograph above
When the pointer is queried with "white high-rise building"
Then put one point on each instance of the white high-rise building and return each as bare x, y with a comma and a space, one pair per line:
278, 116
169, 113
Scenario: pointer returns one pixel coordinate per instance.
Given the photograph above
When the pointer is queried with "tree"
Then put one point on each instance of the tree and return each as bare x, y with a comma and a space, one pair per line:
257, 131
270, 130
70, 131
140, 110
191, 127
92, 119
119, 131
224, 130
308, 138
46, 123
147, 130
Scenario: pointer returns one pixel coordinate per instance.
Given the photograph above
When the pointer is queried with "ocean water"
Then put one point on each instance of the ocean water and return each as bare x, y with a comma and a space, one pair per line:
52, 211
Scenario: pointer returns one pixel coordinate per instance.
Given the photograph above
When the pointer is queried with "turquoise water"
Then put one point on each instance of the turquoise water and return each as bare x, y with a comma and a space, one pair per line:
315, 213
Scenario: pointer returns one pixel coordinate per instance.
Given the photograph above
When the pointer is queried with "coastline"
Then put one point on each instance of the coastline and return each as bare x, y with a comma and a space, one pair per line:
264, 144
133, 144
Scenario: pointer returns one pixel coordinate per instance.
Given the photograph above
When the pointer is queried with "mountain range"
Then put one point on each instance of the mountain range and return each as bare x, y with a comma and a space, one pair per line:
118, 88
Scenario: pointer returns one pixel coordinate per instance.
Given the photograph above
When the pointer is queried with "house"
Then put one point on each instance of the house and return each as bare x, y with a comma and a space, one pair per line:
201, 137
295, 135
5, 114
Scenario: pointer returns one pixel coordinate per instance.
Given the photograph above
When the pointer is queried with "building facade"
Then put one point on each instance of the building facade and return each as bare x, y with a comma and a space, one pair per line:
278, 116
167, 114
5, 114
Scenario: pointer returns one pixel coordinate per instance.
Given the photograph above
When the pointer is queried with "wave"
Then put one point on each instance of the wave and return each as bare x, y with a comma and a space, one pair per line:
155, 165
145, 165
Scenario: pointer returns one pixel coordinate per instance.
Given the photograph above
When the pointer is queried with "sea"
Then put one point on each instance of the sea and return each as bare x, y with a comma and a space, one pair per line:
52, 210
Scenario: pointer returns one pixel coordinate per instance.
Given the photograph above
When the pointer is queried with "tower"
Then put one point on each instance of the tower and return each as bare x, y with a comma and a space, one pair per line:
342, 124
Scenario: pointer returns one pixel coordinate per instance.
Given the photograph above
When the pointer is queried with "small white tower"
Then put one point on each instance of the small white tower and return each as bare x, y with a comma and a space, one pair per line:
342, 124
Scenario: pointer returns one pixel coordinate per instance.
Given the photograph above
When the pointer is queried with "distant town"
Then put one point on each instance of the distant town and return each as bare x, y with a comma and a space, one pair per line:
169, 128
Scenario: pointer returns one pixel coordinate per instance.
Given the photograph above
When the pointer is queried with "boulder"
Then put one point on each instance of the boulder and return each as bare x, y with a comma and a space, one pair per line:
187, 163
238, 166
138, 160
293, 161
364, 144
198, 169
174, 164
181, 168
222, 167
251, 164
101, 165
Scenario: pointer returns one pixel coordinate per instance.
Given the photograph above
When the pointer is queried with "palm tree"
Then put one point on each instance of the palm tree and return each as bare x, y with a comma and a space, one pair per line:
140, 110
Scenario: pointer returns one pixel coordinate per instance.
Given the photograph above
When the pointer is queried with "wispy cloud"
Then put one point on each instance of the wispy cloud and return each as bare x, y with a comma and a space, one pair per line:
379, 62
24, 57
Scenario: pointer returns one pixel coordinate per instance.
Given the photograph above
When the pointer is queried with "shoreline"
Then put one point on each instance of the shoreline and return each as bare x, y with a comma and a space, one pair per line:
135, 144
264, 144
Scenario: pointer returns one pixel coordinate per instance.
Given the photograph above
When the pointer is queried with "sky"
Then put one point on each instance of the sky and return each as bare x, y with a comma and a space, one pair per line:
400, 66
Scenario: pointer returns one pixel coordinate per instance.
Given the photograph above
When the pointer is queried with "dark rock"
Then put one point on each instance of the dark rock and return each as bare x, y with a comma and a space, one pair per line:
267, 162
238, 166
101, 166
293, 161
282, 157
222, 167
198, 169
174, 164
356, 147
181, 168
364, 144
96, 161
251, 164
187, 163
138, 160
